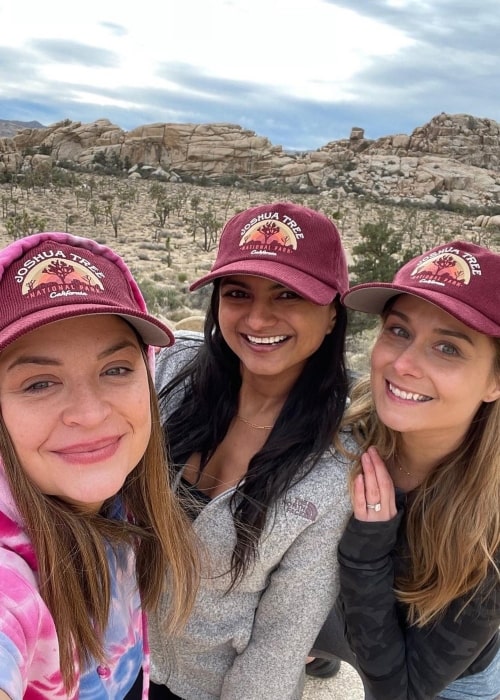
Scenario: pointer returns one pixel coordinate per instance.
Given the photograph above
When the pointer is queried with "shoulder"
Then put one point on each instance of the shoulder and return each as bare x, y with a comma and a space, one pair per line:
335, 464
170, 361
16, 575
20, 597
327, 483
348, 443
28, 637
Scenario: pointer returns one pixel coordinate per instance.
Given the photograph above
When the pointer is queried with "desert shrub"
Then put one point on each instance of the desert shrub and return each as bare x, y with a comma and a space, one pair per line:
380, 252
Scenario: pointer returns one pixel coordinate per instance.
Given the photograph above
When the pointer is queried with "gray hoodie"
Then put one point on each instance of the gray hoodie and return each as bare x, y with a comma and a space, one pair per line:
251, 642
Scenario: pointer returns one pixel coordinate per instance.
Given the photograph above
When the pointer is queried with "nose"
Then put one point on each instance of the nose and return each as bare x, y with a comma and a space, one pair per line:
409, 361
85, 405
260, 314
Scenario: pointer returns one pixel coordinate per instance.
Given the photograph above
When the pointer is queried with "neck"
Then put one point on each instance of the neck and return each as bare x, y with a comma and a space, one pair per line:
415, 460
421, 453
271, 386
258, 404
263, 392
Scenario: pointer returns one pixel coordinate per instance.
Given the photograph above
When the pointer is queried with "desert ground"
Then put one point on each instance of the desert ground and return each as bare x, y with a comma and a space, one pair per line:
346, 685
168, 246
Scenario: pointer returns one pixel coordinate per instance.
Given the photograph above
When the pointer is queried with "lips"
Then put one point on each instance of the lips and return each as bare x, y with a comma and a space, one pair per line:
407, 395
89, 452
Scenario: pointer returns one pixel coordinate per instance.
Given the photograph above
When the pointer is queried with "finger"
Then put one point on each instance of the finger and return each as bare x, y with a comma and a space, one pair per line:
381, 472
358, 499
387, 493
372, 489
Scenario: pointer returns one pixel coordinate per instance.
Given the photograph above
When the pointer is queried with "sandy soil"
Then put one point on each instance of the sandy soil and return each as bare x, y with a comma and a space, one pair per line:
166, 259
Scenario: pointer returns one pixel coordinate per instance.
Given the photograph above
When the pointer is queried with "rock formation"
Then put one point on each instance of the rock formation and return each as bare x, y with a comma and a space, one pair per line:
453, 159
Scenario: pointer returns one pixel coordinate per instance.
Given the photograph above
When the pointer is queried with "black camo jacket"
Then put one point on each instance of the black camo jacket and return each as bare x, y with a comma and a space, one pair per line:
401, 662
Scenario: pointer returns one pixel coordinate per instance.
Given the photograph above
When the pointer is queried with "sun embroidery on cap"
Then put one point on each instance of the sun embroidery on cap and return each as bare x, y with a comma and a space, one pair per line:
445, 268
60, 277
268, 235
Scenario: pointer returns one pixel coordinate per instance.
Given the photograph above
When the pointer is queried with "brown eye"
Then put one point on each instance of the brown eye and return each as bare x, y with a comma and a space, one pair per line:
288, 294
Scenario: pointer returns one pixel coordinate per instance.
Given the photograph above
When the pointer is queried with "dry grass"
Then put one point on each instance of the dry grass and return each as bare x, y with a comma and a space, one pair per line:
165, 260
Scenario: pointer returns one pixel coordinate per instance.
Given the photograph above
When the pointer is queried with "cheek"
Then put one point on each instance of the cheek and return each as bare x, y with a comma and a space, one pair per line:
26, 431
377, 365
375, 359
227, 325
141, 414
225, 318
317, 323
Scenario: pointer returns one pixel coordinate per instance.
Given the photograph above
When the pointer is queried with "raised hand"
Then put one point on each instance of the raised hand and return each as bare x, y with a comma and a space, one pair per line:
373, 496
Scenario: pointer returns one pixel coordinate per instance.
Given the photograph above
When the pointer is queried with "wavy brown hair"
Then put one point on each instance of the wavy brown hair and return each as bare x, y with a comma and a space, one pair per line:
453, 523
71, 548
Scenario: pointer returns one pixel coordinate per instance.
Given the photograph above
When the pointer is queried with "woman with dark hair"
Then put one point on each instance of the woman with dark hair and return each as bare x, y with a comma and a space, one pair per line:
250, 412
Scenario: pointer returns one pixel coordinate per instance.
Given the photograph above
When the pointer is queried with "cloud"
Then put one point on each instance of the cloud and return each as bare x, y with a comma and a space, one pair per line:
300, 72
73, 52
116, 29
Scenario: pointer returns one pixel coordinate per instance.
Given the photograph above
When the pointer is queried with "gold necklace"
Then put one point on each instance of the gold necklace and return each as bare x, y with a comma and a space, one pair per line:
254, 425
397, 463
405, 471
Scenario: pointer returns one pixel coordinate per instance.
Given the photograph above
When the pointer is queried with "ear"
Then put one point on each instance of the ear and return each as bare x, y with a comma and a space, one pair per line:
494, 392
333, 318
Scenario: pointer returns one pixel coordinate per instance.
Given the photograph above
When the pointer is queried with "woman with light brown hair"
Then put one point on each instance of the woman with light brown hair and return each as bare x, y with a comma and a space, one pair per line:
88, 522
419, 560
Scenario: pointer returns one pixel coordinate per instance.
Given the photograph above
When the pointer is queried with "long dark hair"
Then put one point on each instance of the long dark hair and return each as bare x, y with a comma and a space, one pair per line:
305, 427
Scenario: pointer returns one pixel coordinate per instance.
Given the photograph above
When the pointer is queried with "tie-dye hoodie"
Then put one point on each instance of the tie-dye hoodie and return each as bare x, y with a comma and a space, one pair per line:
29, 650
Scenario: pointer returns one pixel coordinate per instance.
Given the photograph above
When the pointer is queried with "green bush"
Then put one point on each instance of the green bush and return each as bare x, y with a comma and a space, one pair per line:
380, 252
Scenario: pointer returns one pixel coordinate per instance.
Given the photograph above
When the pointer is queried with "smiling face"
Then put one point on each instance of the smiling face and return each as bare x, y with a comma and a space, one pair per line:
430, 372
75, 400
270, 328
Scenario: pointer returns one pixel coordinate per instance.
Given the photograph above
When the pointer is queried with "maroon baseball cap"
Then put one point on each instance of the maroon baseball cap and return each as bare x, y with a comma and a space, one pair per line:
285, 242
461, 278
48, 277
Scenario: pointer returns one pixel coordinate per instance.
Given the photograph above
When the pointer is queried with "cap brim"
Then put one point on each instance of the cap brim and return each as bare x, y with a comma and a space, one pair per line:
296, 280
372, 298
151, 330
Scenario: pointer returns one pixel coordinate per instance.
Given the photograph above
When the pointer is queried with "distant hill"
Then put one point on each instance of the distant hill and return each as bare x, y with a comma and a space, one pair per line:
452, 161
10, 127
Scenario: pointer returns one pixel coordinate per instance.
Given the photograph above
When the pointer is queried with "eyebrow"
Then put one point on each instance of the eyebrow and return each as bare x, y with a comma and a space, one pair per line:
51, 362
439, 331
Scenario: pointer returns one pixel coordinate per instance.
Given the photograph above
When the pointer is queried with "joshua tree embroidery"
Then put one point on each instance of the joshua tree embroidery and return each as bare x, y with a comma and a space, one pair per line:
268, 230
444, 262
60, 269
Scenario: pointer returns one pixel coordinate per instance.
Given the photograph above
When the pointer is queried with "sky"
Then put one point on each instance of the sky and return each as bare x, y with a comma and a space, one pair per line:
300, 72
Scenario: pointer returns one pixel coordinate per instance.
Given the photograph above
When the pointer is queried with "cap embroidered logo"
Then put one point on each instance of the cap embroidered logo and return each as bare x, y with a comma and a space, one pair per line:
270, 237
445, 268
58, 276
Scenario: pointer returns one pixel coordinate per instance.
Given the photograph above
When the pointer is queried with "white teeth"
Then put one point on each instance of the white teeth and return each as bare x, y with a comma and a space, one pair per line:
267, 341
407, 395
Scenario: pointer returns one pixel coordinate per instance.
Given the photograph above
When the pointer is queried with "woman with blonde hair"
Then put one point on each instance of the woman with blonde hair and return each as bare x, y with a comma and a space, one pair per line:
420, 581
88, 523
